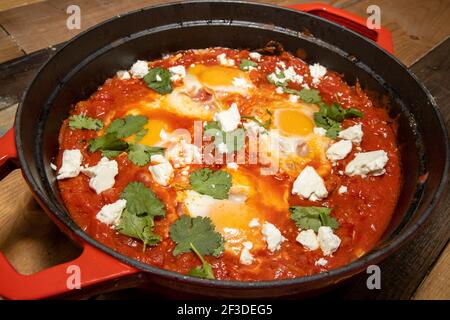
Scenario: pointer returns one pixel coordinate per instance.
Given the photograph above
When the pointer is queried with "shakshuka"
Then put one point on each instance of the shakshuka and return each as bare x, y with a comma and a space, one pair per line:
231, 164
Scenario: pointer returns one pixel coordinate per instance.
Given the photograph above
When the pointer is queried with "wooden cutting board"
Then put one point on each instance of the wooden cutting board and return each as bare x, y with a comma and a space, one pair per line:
32, 242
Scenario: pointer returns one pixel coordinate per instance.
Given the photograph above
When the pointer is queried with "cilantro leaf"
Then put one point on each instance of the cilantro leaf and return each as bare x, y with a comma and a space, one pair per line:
81, 121
313, 217
330, 117
137, 220
108, 142
277, 78
139, 227
158, 79
216, 184
307, 95
142, 201
266, 124
246, 64
141, 154
205, 270
123, 128
198, 232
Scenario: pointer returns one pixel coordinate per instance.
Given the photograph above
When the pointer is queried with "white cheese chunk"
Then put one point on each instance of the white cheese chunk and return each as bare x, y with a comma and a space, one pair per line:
342, 189
367, 163
320, 131
139, 69
353, 133
272, 236
223, 60
161, 171
321, 262
53, 166
293, 98
102, 174
279, 90
178, 73
309, 185
254, 223
232, 165
246, 258
123, 75
328, 241
71, 164
110, 214
255, 56
339, 150
229, 119
308, 239
317, 72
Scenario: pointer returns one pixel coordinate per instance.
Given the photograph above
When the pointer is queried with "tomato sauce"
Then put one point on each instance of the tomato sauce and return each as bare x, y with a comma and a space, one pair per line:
363, 212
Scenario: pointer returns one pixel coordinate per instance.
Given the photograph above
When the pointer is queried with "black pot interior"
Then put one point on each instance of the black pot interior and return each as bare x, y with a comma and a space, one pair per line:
80, 67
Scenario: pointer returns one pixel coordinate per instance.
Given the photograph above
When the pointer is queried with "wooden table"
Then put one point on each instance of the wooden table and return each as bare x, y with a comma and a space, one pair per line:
31, 241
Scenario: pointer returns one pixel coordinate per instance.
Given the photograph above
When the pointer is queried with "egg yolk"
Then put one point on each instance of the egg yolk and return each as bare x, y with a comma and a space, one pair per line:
293, 122
152, 137
216, 75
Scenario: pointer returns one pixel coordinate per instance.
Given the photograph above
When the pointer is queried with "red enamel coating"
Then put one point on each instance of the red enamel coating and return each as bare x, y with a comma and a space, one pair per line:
95, 266
382, 36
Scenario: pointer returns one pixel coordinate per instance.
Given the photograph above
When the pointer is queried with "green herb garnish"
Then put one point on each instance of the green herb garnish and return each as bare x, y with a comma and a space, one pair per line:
313, 217
81, 121
198, 232
204, 271
246, 64
158, 79
330, 117
307, 95
216, 184
234, 140
141, 154
123, 128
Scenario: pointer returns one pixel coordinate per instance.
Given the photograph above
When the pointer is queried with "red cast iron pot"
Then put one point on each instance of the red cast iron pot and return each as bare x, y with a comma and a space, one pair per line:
337, 39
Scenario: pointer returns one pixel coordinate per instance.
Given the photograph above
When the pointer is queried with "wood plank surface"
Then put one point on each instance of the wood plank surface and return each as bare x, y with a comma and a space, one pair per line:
402, 274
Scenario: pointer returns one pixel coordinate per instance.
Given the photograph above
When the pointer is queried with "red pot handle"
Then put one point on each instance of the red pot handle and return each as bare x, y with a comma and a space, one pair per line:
91, 267
382, 36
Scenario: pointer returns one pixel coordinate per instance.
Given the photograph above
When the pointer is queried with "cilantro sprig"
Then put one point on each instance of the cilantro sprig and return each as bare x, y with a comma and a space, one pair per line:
234, 140
266, 124
142, 207
158, 79
330, 117
307, 95
216, 184
205, 270
123, 128
81, 121
141, 154
313, 217
246, 65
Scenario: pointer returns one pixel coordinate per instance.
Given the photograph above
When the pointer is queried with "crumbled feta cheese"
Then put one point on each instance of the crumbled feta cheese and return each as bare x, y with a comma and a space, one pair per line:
308, 239
123, 75
320, 131
342, 189
293, 98
222, 148
110, 214
53, 166
272, 236
292, 76
317, 72
255, 56
162, 171
139, 69
71, 164
328, 241
253, 128
223, 60
279, 90
102, 174
310, 185
178, 72
283, 76
239, 193
367, 163
321, 262
353, 133
229, 119
241, 83
182, 153
254, 223
163, 135
339, 150
246, 257
232, 165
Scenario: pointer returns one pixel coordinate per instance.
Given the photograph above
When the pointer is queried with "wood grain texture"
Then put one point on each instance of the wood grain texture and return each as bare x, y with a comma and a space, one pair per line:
435, 286
11, 4
8, 48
